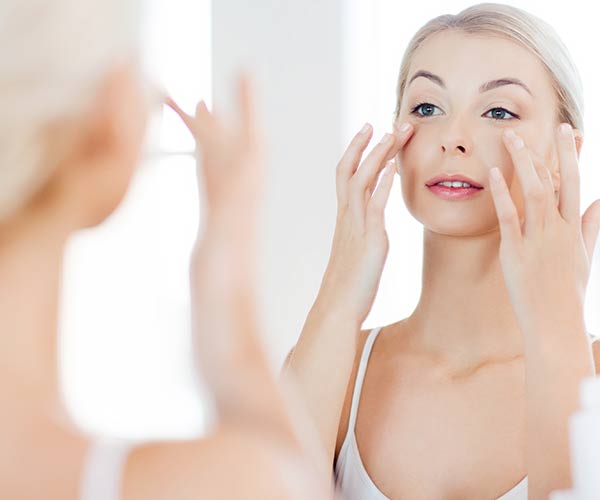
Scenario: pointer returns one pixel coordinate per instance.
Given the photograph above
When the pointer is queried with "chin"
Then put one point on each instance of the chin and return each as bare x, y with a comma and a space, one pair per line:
457, 223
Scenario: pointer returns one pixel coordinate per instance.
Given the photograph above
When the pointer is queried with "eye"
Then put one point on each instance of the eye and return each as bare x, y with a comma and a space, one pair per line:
427, 109
500, 113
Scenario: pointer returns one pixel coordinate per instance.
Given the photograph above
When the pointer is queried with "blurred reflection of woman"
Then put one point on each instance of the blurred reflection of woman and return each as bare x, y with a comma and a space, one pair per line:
72, 120
469, 396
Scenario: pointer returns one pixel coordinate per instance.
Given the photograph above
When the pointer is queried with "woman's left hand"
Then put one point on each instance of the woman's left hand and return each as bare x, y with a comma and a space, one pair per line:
546, 260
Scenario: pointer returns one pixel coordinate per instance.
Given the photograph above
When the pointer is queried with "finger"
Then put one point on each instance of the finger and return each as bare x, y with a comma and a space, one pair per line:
533, 190
363, 183
207, 125
187, 119
590, 223
377, 203
508, 217
349, 162
367, 174
569, 174
247, 110
202, 112
546, 180
402, 135
387, 148
369, 192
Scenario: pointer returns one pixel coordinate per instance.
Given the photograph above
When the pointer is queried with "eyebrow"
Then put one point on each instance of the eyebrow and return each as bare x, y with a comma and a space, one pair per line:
492, 84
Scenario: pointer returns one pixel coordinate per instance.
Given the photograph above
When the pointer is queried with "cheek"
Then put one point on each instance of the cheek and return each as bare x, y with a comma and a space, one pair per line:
420, 153
426, 153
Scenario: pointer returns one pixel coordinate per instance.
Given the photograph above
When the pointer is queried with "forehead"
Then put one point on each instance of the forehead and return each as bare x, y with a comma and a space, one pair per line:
465, 61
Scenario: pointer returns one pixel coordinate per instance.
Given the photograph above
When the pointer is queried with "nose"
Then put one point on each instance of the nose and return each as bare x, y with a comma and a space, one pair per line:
455, 141
459, 146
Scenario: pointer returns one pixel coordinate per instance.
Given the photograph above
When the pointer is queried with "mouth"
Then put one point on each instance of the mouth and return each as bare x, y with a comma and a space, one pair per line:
453, 187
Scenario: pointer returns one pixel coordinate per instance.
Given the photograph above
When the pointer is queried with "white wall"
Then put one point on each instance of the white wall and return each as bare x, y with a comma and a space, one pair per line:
294, 50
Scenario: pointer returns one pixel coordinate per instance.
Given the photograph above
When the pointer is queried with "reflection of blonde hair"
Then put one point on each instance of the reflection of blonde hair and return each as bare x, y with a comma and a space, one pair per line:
517, 25
53, 54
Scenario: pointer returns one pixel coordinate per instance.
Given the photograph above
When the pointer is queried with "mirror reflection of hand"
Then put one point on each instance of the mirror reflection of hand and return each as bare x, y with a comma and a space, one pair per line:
360, 241
230, 164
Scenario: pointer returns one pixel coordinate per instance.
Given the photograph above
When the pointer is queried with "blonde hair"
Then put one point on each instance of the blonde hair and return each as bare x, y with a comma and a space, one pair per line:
53, 55
522, 27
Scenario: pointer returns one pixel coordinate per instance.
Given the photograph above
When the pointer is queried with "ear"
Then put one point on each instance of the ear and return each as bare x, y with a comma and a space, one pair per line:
109, 143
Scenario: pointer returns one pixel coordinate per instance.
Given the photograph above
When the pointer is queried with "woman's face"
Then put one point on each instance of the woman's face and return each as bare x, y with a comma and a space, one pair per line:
459, 130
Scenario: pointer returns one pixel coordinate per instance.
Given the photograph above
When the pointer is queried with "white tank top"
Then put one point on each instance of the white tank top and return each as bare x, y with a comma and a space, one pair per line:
351, 477
103, 469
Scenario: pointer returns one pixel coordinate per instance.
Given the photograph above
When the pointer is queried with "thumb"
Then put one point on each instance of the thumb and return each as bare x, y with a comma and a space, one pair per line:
590, 223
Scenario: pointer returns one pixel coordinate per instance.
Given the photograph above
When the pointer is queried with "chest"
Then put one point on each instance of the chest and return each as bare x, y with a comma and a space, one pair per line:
422, 435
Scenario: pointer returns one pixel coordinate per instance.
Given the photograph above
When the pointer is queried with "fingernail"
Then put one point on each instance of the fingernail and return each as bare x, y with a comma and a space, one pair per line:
518, 143
404, 127
366, 128
385, 138
565, 128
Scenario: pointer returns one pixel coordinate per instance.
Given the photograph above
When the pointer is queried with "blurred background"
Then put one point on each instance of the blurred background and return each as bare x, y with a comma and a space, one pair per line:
321, 69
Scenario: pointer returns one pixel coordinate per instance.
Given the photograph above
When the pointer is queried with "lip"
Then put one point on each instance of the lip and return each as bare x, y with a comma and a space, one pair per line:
452, 177
447, 193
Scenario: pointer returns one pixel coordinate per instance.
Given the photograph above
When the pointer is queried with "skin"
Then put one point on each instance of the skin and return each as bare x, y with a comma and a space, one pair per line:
43, 453
458, 383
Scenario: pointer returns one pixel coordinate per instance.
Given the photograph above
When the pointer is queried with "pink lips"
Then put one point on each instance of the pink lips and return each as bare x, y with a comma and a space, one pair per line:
452, 177
449, 193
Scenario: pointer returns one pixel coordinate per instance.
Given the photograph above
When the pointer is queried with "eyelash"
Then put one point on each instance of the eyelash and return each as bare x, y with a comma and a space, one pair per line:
414, 112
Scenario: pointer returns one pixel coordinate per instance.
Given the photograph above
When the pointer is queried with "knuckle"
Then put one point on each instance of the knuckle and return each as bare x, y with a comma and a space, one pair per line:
349, 157
354, 185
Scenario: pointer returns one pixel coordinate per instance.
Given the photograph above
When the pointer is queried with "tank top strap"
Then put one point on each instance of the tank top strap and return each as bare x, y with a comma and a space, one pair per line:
102, 473
360, 376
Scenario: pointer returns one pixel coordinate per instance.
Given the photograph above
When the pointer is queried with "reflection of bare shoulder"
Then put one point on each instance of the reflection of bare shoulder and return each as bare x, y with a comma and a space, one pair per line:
174, 469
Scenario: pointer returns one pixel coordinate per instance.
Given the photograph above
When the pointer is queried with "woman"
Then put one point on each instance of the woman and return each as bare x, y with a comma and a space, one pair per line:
73, 117
470, 395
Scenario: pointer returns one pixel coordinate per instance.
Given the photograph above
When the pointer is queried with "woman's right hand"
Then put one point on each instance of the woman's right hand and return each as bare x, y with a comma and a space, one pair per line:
230, 165
360, 242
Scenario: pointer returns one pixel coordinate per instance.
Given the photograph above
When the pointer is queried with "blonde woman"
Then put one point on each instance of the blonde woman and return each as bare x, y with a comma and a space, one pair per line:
469, 396
72, 119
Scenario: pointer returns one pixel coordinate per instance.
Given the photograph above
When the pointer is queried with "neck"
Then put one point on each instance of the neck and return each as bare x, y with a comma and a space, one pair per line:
464, 314
31, 253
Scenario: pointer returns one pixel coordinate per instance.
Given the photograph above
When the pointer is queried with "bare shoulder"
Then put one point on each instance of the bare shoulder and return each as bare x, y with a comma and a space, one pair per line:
392, 330
345, 416
230, 463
